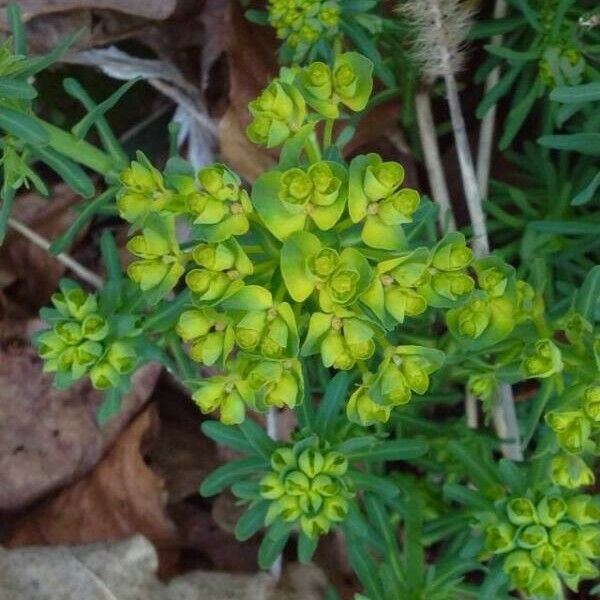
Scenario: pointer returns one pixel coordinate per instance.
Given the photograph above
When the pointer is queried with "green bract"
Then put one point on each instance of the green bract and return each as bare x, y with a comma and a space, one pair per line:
307, 486
546, 542
349, 82
376, 199
287, 201
278, 113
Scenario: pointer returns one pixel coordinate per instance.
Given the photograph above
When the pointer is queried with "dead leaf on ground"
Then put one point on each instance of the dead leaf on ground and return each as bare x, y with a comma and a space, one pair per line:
49, 437
182, 455
119, 497
149, 9
35, 272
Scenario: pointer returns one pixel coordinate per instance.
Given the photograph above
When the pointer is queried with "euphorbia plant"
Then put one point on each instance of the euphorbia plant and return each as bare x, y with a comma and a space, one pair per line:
324, 289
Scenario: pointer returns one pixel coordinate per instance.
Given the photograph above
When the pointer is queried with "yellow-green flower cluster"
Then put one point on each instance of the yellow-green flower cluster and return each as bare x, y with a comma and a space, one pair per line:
555, 539
253, 384
307, 486
577, 429
571, 471
303, 22
404, 370
78, 343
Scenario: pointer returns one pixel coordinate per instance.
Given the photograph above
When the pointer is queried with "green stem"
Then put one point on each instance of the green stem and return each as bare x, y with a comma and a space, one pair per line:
311, 147
83, 217
328, 133
79, 150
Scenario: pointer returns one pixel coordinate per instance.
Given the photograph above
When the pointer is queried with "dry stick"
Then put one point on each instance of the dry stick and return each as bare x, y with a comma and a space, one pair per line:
441, 196
433, 162
486, 134
505, 416
77, 268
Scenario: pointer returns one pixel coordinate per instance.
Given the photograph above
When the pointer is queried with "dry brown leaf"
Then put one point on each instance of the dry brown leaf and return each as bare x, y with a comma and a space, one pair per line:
121, 496
35, 272
183, 455
251, 57
48, 437
149, 9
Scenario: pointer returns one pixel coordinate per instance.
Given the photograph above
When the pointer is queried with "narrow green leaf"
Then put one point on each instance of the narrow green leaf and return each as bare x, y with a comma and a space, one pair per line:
15, 22
588, 295
231, 437
70, 172
23, 127
39, 63
585, 143
492, 27
373, 483
252, 520
84, 216
498, 91
528, 12
517, 115
390, 450
365, 569
481, 472
512, 56
306, 547
468, 497
576, 94
513, 475
246, 490
229, 473
588, 192
15, 88
538, 407
81, 129
110, 406
262, 444
329, 406
273, 543
565, 227
8, 197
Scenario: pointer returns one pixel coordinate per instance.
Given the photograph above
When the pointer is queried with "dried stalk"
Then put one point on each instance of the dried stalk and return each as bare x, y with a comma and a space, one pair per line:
433, 162
486, 133
40, 241
442, 28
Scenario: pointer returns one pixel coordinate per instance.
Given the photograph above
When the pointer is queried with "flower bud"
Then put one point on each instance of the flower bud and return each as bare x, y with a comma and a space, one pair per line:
551, 509
399, 207
317, 80
282, 459
335, 464
474, 318
122, 357
452, 254
193, 324
342, 285
572, 429
532, 536
545, 584
543, 360
335, 352
493, 281
382, 179
569, 562
482, 385
104, 376
324, 263
69, 332
271, 486
452, 285
50, 345
563, 535
74, 303
544, 556
353, 80
311, 462
588, 541
363, 410
520, 569
521, 511
499, 538
591, 403
94, 327
295, 187
403, 302
584, 509
571, 472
